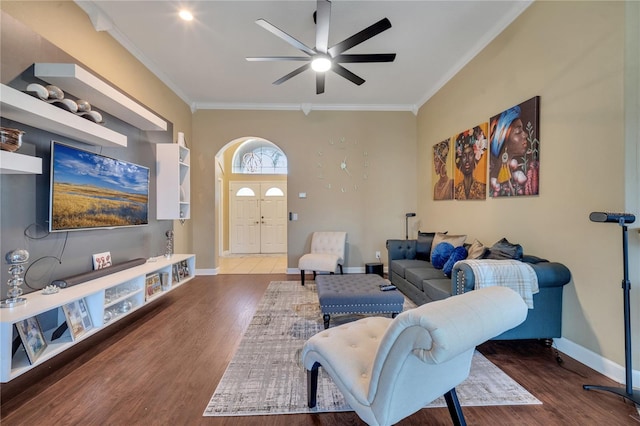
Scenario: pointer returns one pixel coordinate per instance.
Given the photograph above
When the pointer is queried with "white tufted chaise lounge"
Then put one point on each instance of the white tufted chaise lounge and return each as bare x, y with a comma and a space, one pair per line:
327, 253
389, 369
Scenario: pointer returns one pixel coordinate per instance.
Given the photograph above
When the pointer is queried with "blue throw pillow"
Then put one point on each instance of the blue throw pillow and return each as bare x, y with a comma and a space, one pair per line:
441, 254
459, 253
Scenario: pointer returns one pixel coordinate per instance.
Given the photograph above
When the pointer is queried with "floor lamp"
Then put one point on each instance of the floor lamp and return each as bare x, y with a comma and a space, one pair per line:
622, 219
406, 225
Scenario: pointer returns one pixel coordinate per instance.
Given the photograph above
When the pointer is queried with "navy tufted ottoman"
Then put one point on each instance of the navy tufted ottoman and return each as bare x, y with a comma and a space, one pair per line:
356, 294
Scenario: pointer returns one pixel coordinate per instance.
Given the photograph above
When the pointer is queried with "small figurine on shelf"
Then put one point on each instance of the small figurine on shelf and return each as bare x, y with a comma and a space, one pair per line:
169, 248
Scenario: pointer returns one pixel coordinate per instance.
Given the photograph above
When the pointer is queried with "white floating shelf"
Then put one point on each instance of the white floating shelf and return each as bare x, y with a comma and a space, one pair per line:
77, 81
18, 106
12, 163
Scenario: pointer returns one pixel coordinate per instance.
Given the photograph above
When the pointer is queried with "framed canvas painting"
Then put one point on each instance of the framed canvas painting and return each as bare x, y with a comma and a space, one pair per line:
470, 175
515, 150
442, 171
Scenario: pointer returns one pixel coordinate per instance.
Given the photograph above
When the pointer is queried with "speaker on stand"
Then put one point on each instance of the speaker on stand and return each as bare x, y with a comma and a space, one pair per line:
628, 392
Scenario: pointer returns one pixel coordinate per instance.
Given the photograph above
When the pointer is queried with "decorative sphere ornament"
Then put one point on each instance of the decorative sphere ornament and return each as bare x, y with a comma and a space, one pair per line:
16, 258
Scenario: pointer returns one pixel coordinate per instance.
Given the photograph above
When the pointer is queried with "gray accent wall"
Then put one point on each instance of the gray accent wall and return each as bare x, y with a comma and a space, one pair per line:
24, 201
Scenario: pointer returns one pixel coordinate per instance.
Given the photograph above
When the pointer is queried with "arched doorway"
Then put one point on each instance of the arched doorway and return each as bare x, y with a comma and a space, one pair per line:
251, 208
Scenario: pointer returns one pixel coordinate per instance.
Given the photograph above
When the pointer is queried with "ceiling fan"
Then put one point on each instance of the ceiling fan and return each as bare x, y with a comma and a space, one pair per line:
323, 58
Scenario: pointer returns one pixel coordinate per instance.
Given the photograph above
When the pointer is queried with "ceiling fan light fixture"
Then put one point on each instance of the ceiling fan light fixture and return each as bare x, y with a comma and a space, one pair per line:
321, 64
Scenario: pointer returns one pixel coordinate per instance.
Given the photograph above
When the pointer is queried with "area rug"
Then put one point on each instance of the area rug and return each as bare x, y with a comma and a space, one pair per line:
266, 375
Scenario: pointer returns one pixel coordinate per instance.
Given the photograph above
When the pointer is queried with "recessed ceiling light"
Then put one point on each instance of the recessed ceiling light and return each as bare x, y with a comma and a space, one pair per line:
186, 15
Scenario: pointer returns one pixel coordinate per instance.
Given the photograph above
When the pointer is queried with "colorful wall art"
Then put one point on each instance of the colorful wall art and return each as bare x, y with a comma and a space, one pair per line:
515, 150
470, 175
443, 171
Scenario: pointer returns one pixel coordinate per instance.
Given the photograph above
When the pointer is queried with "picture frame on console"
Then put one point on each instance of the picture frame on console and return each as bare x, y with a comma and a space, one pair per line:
176, 273
153, 285
32, 338
78, 318
184, 269
102, 260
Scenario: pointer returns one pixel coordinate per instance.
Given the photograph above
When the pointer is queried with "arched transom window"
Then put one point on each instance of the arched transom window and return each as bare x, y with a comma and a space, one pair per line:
258, 156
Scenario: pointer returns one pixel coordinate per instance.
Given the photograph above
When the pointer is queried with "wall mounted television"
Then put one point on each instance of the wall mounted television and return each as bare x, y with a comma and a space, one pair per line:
92, 191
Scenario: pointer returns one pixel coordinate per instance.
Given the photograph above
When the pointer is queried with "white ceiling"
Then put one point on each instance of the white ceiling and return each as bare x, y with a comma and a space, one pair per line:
203, 61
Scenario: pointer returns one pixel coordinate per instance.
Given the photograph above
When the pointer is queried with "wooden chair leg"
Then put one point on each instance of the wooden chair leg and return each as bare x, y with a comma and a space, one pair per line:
302, 276
455, 410
312, 385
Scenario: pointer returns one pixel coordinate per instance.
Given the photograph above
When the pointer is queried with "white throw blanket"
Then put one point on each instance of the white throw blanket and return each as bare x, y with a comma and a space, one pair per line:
518, 276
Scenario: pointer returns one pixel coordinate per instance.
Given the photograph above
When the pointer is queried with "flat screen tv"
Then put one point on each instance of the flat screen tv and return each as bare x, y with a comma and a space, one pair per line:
92, 191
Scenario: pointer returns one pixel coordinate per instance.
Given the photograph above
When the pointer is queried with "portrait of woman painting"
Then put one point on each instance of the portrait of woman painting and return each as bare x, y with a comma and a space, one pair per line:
471, 164
442, 171
515, 150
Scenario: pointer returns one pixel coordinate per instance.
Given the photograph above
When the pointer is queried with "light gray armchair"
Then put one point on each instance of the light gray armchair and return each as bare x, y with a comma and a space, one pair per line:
326, 255
389, 369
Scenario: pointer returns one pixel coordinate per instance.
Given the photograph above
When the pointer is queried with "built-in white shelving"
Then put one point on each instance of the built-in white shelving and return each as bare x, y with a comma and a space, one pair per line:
23, 108
19, 164
77, 81
173, 181
108, 299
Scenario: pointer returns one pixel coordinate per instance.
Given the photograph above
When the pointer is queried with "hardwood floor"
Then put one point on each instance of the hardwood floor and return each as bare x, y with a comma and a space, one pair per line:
161, 366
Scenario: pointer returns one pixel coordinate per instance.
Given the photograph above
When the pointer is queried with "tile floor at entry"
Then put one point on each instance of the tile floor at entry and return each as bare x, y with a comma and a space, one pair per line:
253, 264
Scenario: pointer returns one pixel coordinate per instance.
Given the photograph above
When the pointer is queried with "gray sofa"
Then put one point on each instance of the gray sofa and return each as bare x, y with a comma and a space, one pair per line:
421, 282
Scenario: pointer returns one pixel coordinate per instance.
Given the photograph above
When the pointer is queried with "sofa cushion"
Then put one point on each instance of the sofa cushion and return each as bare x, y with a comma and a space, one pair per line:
477, 250
440, 254
399, 266
437, 289
454, 240
503, 249
417, 275
423, 245
459, 253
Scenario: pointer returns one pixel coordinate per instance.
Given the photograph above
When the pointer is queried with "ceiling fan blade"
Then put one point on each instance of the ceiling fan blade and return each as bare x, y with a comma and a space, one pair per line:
342, 71
375, 57
364, 35
286, 37
320, 82
293, 73
323, 17
276, 58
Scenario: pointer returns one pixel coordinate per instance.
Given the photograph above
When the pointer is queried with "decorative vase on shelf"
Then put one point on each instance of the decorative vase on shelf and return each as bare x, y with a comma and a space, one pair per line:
16, 258
169, 245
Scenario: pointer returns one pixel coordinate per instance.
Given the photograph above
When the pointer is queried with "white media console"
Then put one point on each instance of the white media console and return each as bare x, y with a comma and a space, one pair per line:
107, 299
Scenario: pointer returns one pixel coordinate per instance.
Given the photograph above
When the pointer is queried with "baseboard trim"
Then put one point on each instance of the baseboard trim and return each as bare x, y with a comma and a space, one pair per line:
593, 360
214, 271
346, 270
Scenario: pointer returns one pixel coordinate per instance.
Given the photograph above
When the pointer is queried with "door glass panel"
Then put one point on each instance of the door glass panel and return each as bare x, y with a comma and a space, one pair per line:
245, 192
274, 192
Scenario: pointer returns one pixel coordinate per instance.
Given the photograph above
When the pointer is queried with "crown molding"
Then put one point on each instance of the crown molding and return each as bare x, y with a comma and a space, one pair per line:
306, 107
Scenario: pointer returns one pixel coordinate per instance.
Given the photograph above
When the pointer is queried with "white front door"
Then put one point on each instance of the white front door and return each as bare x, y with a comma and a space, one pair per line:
258, 217
273, 212
244, 217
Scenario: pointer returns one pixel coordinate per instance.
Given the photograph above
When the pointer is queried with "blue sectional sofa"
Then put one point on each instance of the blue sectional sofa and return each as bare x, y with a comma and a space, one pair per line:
410, 270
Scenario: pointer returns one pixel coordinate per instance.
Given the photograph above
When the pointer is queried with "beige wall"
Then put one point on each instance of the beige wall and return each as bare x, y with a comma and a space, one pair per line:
370, 213
578, 74
74, 34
